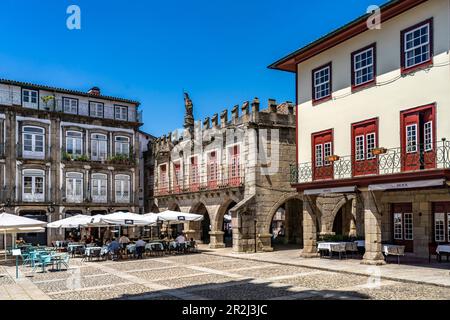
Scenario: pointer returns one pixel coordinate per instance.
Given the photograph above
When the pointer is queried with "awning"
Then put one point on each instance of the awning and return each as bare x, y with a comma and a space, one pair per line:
330, 190
407, 185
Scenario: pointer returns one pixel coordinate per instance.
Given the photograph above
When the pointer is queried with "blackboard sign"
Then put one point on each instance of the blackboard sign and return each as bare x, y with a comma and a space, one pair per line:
129, 221
182, 218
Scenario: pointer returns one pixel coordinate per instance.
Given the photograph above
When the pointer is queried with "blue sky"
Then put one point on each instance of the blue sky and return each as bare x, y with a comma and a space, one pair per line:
148, 50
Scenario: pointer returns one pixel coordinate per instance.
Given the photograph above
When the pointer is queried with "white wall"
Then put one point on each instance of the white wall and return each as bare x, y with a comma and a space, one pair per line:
383, 101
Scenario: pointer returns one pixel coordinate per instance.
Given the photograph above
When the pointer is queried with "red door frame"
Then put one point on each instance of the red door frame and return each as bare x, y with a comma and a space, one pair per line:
367, 166
412, 162
324, 172
163, 188
176, 182
212, 160
403, 208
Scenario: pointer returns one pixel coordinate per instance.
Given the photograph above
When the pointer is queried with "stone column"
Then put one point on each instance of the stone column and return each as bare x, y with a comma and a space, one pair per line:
309, 228
265, 241
372, 226
216, 239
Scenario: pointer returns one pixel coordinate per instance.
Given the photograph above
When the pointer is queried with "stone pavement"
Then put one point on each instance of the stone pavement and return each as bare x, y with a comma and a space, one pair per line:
416, 271
213, 275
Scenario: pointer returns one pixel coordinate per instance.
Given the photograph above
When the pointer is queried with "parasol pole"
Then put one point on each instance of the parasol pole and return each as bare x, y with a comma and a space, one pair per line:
4, 242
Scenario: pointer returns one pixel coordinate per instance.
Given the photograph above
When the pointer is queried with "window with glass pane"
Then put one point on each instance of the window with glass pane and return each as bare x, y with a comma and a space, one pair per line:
122, 146
70, 105
364, 67
398, 226
409, 226
99, 187
99, 146
122, 188
371, 144
33, 185
359, 148
33, 142
326, 153
319, 155
322, 83
74, 187
96, 109
121, 113
417, 46
411, 138
428, 133
439, 227
28, 185
74, 143
30, 98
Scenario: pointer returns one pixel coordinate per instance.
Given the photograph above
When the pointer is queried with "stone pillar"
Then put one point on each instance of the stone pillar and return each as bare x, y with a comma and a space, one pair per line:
216, 239
353, 227
309, 228
265, 242
372, 226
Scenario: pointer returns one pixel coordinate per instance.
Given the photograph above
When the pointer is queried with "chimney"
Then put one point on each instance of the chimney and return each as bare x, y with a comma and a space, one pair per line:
290, 107
224, 118
272, 105
245, 109
95, 91
206, 123
255, 105
215, 120
235, 114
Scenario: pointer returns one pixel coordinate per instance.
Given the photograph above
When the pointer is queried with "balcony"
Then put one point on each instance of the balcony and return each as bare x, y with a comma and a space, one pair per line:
224, 178
387, 163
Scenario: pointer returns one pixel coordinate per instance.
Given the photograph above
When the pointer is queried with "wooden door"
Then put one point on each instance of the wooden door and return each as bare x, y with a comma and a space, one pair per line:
322, 149
403, 225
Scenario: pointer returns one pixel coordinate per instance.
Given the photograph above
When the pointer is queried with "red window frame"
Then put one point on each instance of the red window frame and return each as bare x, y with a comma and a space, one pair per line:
163, 179
366, 166
234, 170
406, 70
212, 170
324, 172
372, 46
194, 177
410, 161
177, 172
313, 81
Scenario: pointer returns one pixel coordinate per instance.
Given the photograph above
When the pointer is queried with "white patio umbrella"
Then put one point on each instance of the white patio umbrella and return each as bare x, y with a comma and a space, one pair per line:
71, 222
175, 217
13, 224
127, 219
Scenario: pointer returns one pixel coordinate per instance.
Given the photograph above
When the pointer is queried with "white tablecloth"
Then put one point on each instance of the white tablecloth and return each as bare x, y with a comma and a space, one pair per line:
386, 248
325, 245
443, 249
360, 243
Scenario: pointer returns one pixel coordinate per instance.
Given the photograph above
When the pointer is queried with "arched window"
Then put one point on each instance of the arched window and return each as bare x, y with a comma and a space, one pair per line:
74, 187
99, 187
33, 185
33, 142
122, 146
74, 143
122, 184
99, 147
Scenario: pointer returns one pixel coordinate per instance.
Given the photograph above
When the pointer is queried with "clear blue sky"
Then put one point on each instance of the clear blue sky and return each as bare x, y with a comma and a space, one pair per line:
150, 50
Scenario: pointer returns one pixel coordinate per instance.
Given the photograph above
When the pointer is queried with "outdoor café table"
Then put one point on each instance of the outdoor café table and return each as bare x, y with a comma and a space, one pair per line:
326, 246
361, 243
57, 259
131, 249
88, 250
443, 249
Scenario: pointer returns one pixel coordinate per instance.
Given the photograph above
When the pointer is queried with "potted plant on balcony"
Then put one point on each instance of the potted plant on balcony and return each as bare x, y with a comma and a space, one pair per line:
67, 156
83, 158
46, 100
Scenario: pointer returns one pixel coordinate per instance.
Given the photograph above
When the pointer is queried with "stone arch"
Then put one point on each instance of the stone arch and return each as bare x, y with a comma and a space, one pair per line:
219, 224
174, 206
221, 211
283, 199
341, 220
154, 209
200, 230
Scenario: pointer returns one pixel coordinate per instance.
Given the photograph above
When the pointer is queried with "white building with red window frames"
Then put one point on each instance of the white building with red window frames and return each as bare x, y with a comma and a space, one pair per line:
373, 130
216, 169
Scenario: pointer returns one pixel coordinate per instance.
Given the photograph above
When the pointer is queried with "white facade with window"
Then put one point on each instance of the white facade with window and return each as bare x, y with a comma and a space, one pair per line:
96, 109
30, 98
74, 187
70, 105
99, 147
122, 146
33, 185
74, 143
33, 142
122, 188
99, 188
121, 113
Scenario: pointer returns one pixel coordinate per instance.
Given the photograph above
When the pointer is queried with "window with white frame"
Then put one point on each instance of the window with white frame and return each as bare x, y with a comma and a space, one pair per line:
74, 187
30, 98
371, 141
33, 141
99, 147
428, 136
74, 143
411, 138
398, 226
408, 226
359, 148
33, 185
363, 66
121, 113
70, 105
99, 185
96, 109
439, 227
122, 146
417, 45
322, 83
327, 152
122, 188
319, 155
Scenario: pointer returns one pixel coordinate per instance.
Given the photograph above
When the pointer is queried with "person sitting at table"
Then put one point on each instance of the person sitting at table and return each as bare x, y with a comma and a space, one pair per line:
20, 242
124, 241
140, 247
114, 248
181, 242
84, 240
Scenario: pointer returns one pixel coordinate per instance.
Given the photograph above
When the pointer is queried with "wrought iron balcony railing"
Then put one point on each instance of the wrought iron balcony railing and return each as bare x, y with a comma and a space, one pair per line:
389, 161
218, 179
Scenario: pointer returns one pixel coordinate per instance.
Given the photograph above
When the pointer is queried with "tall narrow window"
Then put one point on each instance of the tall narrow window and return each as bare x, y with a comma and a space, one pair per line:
98, 147
327, 152
30, 99
322, 83
398, 226
371, 144
33, 140
121, 113
122, 188
99, 184
439, 227
360, 148
96, 109
74, 143
33, 186
319, 155
363, 66
411, 138
417, 46
74, 187
409, 226
70, 105
428, 136
122, 146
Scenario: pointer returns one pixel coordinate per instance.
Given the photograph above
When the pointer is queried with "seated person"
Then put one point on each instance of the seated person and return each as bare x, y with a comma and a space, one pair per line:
114, 247
20, 241
181, 242
85, 239
140, 247
124, 241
